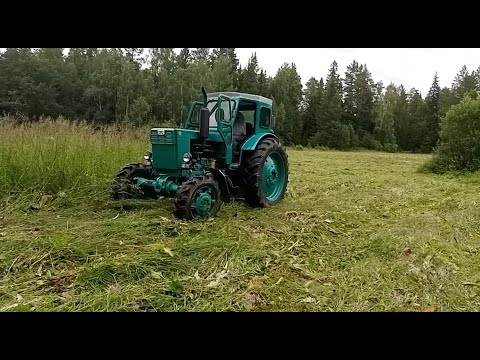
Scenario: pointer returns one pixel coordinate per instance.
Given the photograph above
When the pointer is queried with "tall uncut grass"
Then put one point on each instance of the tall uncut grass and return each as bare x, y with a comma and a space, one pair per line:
50, 156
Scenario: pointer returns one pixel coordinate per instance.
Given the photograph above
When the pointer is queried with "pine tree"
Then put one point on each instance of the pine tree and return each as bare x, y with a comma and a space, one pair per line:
416, 111
310, 108
433, 115
287, 90
248, 81
350, 93
332, 132
465, 83
231, 56
234, 64
263, 84
365, 100
359, 96
320, 105
401, 119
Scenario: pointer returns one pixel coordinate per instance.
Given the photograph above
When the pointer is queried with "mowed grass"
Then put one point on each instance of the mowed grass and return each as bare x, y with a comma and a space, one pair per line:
357, 231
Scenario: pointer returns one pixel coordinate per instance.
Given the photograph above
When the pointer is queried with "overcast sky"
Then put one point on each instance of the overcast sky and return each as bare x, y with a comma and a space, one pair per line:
410, 67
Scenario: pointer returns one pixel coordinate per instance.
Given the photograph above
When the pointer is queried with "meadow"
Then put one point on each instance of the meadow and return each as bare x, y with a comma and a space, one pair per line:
357, 231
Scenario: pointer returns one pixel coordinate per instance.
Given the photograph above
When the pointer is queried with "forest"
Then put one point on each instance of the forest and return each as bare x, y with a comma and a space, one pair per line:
155, 86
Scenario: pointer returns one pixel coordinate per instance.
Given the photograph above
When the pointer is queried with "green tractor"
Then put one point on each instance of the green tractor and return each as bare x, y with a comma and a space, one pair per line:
225, 149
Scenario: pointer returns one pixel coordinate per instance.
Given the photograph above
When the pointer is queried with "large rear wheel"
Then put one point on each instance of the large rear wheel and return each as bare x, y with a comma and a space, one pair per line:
198, 199
265, 171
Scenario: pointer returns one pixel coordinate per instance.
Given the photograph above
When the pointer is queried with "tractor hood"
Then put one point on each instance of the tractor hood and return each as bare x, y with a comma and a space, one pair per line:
169, 145
170, 136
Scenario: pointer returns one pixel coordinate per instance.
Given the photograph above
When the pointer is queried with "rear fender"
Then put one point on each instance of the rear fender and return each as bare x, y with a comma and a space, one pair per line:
252, 142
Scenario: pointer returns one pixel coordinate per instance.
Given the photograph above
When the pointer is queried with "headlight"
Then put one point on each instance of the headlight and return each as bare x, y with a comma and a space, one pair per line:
147, 156
187, 157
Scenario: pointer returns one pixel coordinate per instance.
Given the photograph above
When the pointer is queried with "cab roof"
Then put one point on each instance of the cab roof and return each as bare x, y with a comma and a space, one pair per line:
241, 95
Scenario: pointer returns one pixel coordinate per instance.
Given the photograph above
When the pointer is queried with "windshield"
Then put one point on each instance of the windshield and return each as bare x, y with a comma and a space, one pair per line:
210, 105
195, 119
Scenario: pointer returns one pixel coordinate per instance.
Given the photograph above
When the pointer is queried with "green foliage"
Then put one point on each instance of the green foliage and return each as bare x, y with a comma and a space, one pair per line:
330, 130
156, 87
465, 83
411, 135
311, 108
222, 75
249, 76
459, 148
287, 91
359, 93
184, 58
447, 100
386, 117
280, 119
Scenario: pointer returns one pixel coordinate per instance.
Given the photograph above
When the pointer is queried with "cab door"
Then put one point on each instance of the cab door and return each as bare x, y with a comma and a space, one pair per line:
223, 117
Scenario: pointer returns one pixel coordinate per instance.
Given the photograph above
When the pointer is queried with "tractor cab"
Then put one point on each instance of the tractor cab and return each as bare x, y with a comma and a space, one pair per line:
241, 117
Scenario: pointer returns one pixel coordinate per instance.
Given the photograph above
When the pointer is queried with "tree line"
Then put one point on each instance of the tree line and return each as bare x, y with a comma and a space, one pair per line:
342, 111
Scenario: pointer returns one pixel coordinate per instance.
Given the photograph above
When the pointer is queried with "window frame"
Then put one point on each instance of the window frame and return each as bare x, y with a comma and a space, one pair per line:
268, 126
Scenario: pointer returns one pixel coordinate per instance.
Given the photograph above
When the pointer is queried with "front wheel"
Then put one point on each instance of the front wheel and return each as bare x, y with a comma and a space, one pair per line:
265, 172
198, 199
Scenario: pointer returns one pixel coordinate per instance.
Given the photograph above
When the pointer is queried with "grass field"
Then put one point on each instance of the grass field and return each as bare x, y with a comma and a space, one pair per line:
358, 231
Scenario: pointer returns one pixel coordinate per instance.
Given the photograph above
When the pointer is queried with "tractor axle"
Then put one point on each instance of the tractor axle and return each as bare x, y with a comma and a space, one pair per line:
162, 185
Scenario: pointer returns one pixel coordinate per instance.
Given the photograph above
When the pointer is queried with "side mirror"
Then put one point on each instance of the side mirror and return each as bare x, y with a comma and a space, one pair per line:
204, 122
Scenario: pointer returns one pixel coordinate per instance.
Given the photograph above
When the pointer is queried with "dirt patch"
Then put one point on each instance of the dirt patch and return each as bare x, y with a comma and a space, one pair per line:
62, 282
252, 299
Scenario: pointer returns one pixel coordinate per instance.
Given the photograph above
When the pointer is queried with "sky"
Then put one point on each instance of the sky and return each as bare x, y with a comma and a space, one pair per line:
412, 67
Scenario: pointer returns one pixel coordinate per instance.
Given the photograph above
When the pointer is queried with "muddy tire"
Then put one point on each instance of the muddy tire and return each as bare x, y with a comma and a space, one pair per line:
198, 199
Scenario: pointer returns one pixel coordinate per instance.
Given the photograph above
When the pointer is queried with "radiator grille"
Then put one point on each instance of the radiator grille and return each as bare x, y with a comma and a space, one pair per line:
157, 138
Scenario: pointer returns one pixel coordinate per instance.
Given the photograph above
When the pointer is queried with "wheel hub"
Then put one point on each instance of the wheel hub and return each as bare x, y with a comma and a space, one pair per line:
273, 176
203, 203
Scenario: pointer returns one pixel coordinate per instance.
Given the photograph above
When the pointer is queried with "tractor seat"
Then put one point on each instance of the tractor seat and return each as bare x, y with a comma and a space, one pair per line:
239, 129
249, 129
239, 134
